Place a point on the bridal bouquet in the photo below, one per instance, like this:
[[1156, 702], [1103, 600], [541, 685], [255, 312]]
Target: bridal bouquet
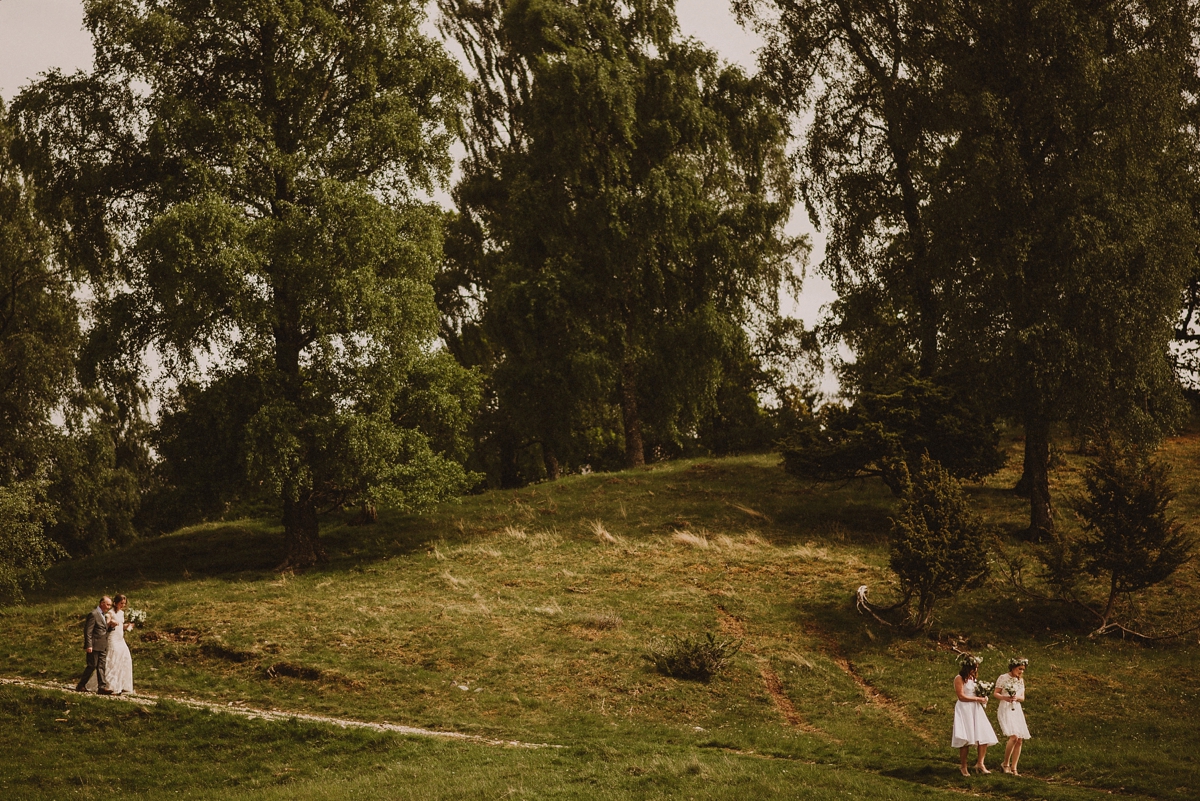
[[136, 616], [1011, 689], [983, 689]]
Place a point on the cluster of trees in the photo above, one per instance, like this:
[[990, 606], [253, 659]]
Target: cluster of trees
[[238, 195], [1009, 189], [1010, 198]]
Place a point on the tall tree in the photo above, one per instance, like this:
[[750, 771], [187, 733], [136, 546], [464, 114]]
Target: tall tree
[[246, 179], [621, 217], [1069, 184], [39, 332], [1052, 162], [862, 75], [39, 328]]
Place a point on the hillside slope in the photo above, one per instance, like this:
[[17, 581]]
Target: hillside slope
[[528, 614]]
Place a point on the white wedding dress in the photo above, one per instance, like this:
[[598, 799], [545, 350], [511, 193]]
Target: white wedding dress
[[118, 672]]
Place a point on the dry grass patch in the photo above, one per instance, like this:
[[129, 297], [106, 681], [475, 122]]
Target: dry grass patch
[[604, 620], [808, 552], [690, 540], [602, 534]]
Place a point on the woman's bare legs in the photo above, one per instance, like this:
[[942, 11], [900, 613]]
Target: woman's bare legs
[[962, 758], [1016, 754], [979, 764], [1008, 750]]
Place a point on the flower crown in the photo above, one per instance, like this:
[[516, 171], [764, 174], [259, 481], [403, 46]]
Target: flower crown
[[1017, 662], [970, 659]]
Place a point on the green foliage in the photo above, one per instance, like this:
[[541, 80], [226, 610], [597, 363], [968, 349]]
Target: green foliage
[[620, 227], [881, 430], [1131, 541], [96, 496], [277, 155], [25, 551], [1009, 194], [200, 438], [688, 656], [39, 330], [937, 543]]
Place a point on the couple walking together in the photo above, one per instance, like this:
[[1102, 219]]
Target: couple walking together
[[971, 725], [108, 659]]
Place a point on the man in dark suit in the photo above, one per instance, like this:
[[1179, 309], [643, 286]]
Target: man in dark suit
[[95, 643]]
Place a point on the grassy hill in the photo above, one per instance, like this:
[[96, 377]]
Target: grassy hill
[[527, 615]]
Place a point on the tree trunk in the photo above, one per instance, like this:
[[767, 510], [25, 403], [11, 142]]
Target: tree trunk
[[301, 535], [510, 469], [635, 452], [1112, 602], [553, 469], [1037, 477]]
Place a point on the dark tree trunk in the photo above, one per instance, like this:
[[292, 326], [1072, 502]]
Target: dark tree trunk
[[301, 534], [635, 452], [1112, 602], [1037, 477], [553, 469], [510, 472]]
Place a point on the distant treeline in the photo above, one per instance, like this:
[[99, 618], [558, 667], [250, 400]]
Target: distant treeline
[[226, 220]]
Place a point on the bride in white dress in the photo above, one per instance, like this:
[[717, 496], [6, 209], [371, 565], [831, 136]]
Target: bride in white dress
[[119, 673], [971, 726]]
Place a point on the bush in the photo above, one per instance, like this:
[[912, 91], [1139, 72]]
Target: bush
[[693, 657], [937, 542]]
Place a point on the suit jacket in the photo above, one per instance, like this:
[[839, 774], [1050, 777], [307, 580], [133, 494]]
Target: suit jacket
[[95, 631]]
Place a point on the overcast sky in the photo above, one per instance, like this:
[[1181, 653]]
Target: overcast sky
[[39, 35]]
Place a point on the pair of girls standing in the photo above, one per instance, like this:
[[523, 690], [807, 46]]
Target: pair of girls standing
[[971, 726]]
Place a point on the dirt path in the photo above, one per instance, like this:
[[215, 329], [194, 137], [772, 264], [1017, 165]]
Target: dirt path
[[734, 627], [277, 715], [872, 694]]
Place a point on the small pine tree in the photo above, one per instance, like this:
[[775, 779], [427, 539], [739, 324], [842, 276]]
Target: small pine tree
[[937, 544], [1130, 542]]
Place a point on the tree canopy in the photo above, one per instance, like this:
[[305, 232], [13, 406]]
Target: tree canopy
[[620, 227], [246, 180], [1009, 197]]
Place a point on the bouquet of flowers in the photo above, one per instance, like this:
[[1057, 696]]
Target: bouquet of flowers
[[983, 689], [1010, 687], [136, 616]]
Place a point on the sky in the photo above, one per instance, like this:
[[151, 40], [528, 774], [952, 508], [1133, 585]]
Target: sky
[[40, 35]]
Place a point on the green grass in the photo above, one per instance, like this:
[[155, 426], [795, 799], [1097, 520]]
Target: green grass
[[514, 597]]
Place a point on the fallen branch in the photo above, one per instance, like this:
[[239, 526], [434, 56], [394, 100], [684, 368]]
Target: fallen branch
[[864, 605]]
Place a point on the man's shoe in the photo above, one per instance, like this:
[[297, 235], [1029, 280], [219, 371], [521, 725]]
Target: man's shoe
[[104, 692]]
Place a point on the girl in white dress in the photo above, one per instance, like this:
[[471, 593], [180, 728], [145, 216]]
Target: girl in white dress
[[1010, 689], [971, 726], [119, 673]]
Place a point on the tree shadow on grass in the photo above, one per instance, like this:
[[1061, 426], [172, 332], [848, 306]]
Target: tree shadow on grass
[[236, 551], [227, 550], [856, 512]]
